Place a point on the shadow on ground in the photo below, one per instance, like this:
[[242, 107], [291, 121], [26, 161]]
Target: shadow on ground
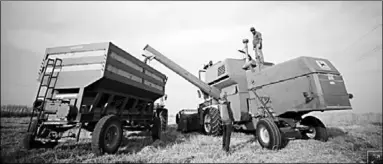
[[135, 142], [333, 132]]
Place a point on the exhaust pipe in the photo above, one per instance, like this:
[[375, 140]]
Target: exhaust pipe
[[350, 96]]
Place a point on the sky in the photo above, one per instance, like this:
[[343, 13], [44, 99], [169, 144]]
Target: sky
[[348, 33]]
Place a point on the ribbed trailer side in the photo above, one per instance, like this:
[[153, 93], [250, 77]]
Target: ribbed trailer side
[[104, 66], [125, 73]]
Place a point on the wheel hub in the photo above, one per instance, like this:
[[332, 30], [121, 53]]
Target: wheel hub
[[311, 132], [207, 123], [264, 135], [110, 137]]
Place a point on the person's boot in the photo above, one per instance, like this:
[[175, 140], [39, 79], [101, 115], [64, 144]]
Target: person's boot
[[228, 137], [224, 137]]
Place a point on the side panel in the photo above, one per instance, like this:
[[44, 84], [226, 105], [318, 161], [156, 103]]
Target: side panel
[[334, 91], [131, 72], [237, 100], [77, 79], [288, 96], [290, 69], [132, 59], [78, 48], [79, 68], [122, 84]]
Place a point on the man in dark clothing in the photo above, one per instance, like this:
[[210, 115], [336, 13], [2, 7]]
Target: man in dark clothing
[[227, 121], [257, 44]]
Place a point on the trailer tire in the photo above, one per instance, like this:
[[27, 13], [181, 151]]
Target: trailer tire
[[108, 126], [318, 128], [28, 141], [268, 134], [156, 128], [212, 123]]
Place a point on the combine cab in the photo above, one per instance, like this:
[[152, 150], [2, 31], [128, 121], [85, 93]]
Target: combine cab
[[97, 87]]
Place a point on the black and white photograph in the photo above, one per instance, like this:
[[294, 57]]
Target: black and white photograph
[[191, 82]]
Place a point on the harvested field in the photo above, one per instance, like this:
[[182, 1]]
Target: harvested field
[[351, 136]]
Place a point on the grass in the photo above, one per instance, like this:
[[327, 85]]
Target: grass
[[351, 136], [15, 111]]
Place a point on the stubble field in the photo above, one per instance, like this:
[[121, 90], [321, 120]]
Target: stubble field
[[351, 136]]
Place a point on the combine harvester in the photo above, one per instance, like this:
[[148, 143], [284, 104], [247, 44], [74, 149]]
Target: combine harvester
[[97, 87], [268, 99]]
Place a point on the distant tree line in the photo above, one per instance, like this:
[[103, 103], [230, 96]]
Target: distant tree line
[[15, 111]]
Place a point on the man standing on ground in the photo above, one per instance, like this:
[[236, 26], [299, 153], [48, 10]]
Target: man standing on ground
[[257, 44], [227, 121]]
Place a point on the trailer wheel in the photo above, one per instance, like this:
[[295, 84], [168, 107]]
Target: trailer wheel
[[212, 122], [317, 130], [107, 135], [268, 134], [156, 128], [29, 138], [29, 141]]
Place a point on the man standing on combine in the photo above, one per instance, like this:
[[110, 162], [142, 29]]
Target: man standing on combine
[[257, 44]]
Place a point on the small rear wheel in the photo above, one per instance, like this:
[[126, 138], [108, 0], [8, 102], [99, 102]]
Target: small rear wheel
[[317, 130], [268, 134], [107, 135]]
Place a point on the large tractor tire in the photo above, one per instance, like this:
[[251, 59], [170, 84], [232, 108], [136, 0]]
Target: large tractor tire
[[164, 119], [212, 123], [268, 134], [107, 135], [29, 138], [178, 117], [317, 130]]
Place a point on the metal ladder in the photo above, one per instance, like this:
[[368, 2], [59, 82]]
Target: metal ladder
[[264, 105], [54, 64]]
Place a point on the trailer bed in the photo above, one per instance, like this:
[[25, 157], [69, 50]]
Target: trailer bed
[[107, 67]]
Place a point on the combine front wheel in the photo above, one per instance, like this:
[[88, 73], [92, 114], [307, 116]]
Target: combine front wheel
[[268, 134], [164, 119], [107, 135]]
